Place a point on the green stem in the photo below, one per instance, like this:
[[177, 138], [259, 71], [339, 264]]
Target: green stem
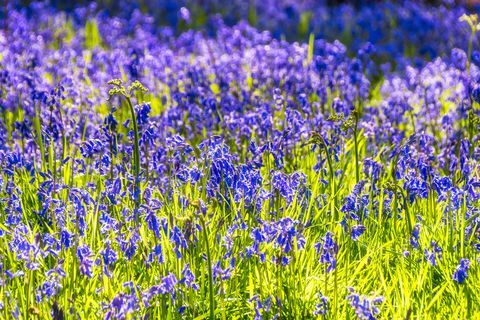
[[407, 213], [335, 290], [469, 54], [147, 174], [112, 163], [357, 169], [136, 152], [332, 178], [210, 275]]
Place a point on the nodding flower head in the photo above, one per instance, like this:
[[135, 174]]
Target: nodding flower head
[[321, 308], [365, 307], [119, 88], [328, 249], [472, 20], [115, 82], [475, 92], [357, 231], [460, 274], [137, 86]]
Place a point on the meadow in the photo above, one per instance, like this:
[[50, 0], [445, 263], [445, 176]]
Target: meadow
[[249, 160]]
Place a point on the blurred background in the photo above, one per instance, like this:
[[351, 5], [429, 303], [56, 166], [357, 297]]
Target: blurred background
[[256, 12], [409, 28], [166, 11]]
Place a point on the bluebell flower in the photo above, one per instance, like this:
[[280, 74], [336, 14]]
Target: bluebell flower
[[365, 308], [321, 308], [51, 245], [188, 278], [442, 184], [476, 57], [459, 58], [286, 233], [357, 231], [122, 305], [434, 254], [221, 274], [152, 221], [178, 240], [15, 274], [110, 122], [143, 112], [15, 312], [372, 169], [84, 255], [288, 185], [184, 14], [148, 136], [262, 308], [416, 187], [181, 310], [48, 289], [129, 247], [415, 236], [156, 255], [475, 93], [107, 223], [355, 204], [167, 286], [328, 249], [114, 192], [89, 148], [164, 224], [57, 271], [109, 256], [460, 274]]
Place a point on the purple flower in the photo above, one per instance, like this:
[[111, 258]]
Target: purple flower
[[357, 231], [262, 308], [122, 305], [167, 286], [475, 93], [321, 308], [288, 185], [114, 192], [460, 273], [129, 247], [184, 14], [415, 236], [178, 240], [84, 254], [434, 254], [109, 257], [143, 112], [188, 278], [221, 274], [48, 289], [328, 249], [156, 255], [152, 222], [365, 308], [459, 58], [286, 232]]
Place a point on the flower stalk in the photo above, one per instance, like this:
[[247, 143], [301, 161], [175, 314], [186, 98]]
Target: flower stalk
[[127, 93]]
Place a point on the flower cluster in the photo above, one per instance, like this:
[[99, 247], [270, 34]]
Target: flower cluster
[[236, 172]]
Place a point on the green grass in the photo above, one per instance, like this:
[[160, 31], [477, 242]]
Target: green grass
[[374, 265]]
